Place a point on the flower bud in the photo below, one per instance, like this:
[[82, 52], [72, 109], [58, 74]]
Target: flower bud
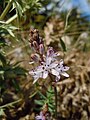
[[50, 51], [35, 57], [35, 45], [40, 40], [41, 48], [35, 36]]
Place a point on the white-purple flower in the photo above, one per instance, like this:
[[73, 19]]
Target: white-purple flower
[[40, 117], [50, 65], [62, 70]]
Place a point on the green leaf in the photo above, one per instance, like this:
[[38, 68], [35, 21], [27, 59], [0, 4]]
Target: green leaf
[[16, 85], [3, 59], [63, 44], [1, 72], [9, 74], [39, 102], [85, 47], [48, 98], [51, 106], [42, 96], [17, 63], [2, 112], [19, 9], [10, 32], [2, 41], [19, 71]]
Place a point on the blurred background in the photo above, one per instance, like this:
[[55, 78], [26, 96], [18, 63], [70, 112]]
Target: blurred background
[[64, 25]]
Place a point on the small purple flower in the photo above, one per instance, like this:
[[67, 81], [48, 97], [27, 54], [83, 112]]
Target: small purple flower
[[62, 70], [50, 65], [40, 117]]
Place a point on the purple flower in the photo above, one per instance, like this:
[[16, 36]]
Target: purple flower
[[40, 117], [50, 65], [62, 70]]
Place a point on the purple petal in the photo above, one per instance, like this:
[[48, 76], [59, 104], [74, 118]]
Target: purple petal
[[45, 74], [65, 68], [48, 60], [54, 72], [53, 65], [50, 52], [57, 79], [38, 117], [61, 63], [31, 72], [64, 74]]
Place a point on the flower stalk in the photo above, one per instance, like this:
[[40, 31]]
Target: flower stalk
[[48, 65], [55, 92]]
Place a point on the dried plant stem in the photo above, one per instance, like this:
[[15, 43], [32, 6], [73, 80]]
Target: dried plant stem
[[68, 81], [55, 91], [10, 104]]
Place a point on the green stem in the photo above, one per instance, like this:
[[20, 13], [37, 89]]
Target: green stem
[[6, 10], [10, 104], [55, 91]]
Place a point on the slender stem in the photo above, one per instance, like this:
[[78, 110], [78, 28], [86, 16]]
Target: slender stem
[[10, 104], [6, 10], [55, 91], [67, 17]]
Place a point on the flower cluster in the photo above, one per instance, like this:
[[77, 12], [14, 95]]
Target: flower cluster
[[36, 42], [50, 65]]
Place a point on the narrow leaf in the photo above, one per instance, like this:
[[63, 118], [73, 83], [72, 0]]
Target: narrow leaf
[[63, 45]]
